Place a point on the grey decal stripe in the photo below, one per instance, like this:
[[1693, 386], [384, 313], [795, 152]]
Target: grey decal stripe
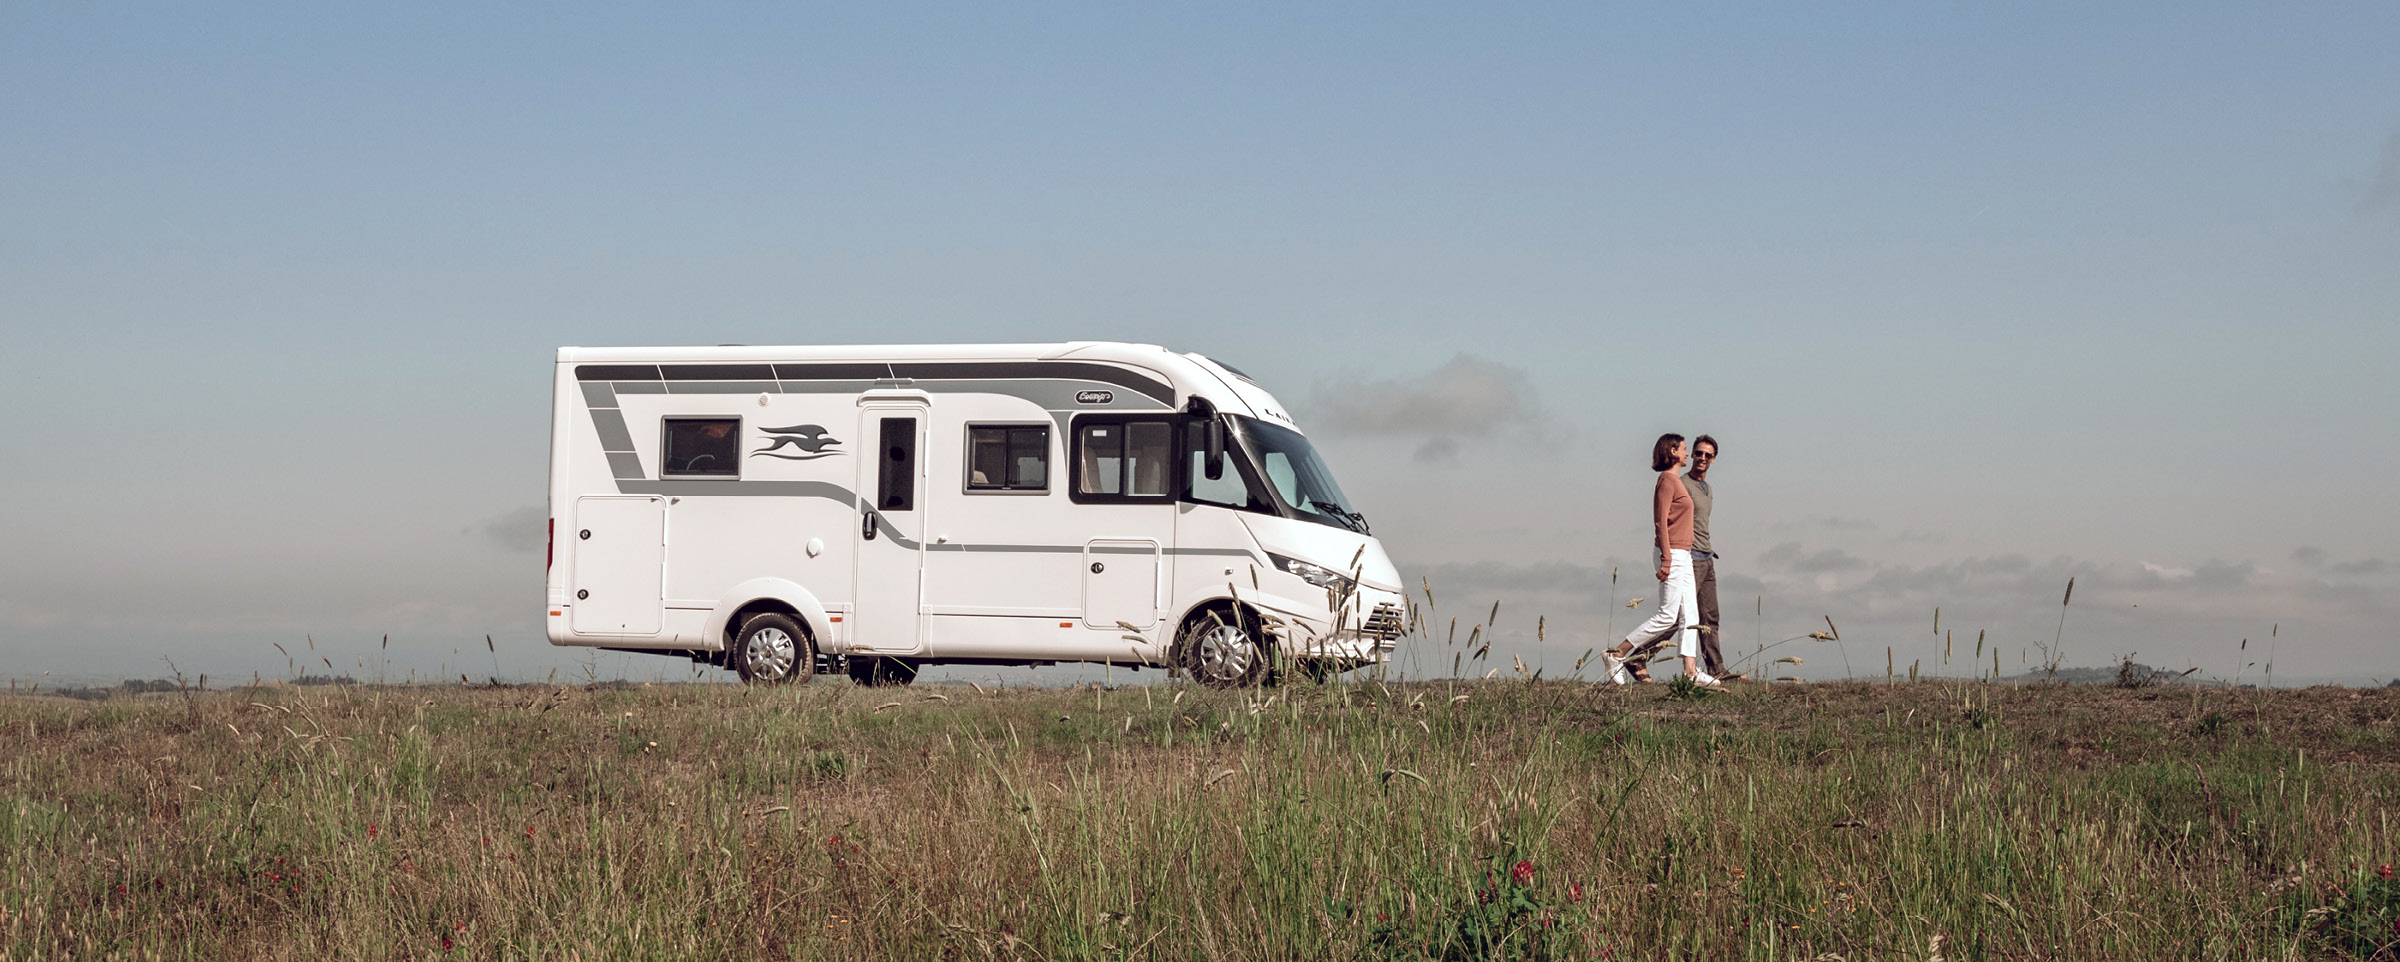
[[599, 394], [717, 372], [640, 387], [884, 525], [724, 387], [626, 465], [770, 489], [779, 489], [614, 438], [616, 372], [826, 387], [1123, 549], [1123, 377], [1009, 548]]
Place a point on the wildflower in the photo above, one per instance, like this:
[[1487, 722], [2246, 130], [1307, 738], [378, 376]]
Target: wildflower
[[1522, 873], [373, 828], [446, 943], [2384, 871], [529, 831], [1575, 892]]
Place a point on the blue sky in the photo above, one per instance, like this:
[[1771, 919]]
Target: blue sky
[[1978, 300]]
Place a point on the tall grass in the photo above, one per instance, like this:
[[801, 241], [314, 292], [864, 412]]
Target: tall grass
[[1507, 819]]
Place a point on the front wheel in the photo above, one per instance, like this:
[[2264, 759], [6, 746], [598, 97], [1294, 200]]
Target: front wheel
[[1222, 652], [773, 649]]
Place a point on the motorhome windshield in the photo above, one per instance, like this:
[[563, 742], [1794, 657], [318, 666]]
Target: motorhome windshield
[[1299, 477]]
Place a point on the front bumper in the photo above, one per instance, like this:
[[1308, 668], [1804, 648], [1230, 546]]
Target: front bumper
[[1369, 630]]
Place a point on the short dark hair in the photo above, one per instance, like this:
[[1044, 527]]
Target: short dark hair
[[1705, 439], [1662, 454]]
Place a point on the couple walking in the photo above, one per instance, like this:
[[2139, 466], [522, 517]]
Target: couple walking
[[1687, 571]]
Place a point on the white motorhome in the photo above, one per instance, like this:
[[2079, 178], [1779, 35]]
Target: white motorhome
[[875, 510]]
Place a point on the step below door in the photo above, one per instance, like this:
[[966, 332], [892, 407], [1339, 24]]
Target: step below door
[[620, 557]]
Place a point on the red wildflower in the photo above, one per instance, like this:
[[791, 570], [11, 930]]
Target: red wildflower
[[2384, 871], [1522, 873], [372, 828], [446, 943], [1575, 892], [529, 830]]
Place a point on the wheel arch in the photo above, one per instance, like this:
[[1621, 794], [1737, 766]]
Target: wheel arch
[[762, 595], [1243, 609]]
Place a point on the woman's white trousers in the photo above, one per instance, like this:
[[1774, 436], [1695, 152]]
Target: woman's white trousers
[[1678, 611]]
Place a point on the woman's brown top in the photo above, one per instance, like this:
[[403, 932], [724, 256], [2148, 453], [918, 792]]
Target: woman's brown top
[[1671, 510]]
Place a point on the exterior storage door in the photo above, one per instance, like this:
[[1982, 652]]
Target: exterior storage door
[[1120, 584], [620, 557]]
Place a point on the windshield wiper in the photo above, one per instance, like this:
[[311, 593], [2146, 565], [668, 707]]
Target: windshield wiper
[[1352, 521]]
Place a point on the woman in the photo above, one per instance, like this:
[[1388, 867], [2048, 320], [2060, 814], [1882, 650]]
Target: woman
[[1678, 612]]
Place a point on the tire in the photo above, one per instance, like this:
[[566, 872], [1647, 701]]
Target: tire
[[1222, 649], [772, 649], [881, 672]]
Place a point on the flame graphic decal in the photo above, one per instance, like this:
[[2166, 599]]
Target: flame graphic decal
[[811, 439]]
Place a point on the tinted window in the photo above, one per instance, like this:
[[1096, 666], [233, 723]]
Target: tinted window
[[1008, 457], [896, 482], [1125, 459], [702, 447], [1148, 456], [1102, 456]]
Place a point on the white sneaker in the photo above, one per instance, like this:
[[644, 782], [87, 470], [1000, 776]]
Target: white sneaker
[[1706, 680], [1616, 668]]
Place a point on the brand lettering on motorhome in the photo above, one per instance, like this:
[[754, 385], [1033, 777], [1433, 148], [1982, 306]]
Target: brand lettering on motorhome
[[1094, 397], [811, 439]]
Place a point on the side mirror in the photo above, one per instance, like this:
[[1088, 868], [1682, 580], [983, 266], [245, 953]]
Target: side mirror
[[1215, 464]]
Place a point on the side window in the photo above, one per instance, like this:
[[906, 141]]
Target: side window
[[896, 481], [1008, 457], [701, 447], [1229, 490], [1148, 457], [1124, 460], [1101, 454]]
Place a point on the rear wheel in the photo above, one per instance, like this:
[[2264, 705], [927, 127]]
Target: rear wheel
[[1222, 649], [881, 672], [773, 649]]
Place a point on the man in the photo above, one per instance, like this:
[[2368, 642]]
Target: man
[[1704, 558]]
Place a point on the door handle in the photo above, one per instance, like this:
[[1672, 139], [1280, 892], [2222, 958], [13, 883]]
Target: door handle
[[866, 525]]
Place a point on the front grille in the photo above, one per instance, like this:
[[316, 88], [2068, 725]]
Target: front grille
[[1384, 624]]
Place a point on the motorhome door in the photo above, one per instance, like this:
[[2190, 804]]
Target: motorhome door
[[891, 527]]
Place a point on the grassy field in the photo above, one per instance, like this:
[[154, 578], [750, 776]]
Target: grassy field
[[1471, 820]]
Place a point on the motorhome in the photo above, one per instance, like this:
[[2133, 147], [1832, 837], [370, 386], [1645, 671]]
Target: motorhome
[[784, 511]]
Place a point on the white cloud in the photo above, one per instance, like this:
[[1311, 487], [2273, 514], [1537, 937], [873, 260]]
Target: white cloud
[[2383, 191], [1465, 397], [519, 529]]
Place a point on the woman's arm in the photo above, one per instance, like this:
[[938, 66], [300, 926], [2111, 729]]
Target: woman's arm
[[1660, 501]]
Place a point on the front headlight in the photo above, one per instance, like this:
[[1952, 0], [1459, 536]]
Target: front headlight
[[1318, 575]]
